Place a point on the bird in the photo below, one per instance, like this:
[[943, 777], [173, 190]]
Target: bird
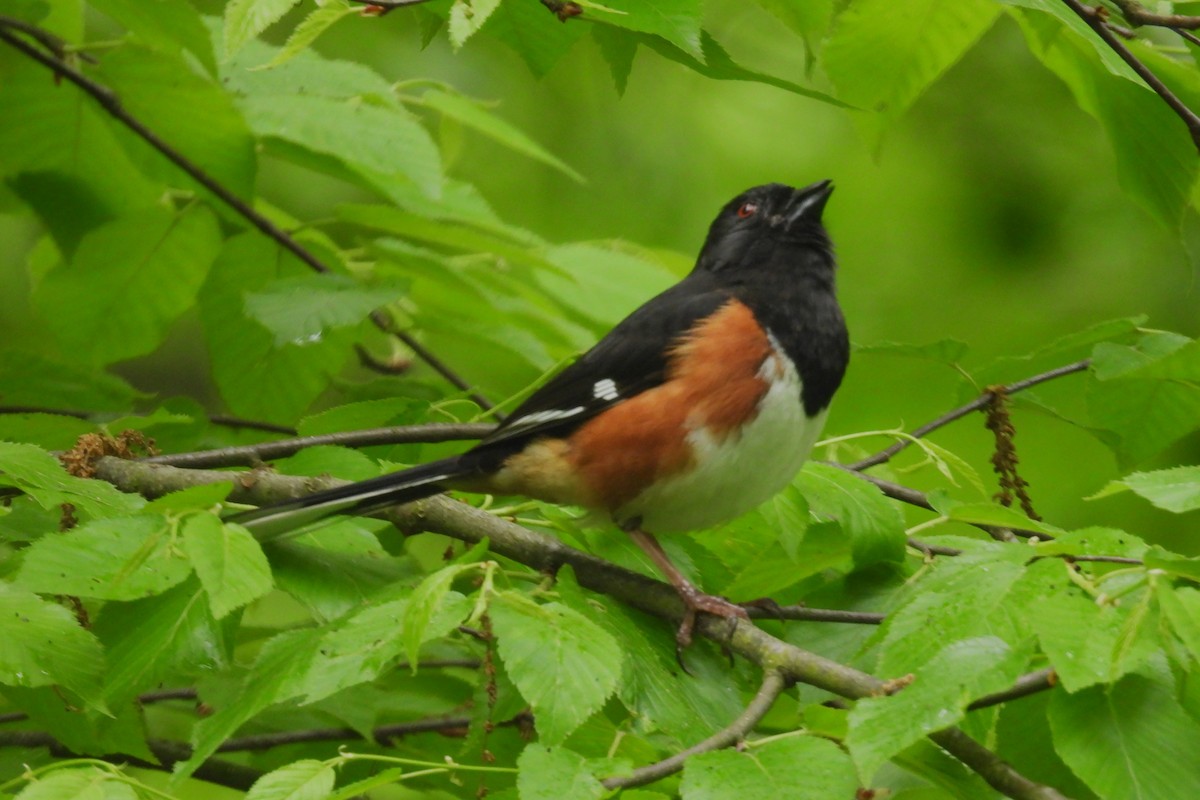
[[700, 405]]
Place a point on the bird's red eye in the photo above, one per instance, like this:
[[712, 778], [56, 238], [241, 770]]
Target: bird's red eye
[[747, 210]]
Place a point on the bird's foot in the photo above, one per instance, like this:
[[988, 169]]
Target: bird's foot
[[695, 601]]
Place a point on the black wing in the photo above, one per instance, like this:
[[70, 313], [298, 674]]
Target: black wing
[[629, 360]]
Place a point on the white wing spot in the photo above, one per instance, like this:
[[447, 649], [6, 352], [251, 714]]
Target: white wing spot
[[605, 390]]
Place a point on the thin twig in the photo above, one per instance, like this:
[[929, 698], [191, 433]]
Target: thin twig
[[381, 735], [1095, 18], [255, 454], [1025, 685], [806, 614], [43, 37], [980, 402], [111, 103], [772, 686], [1137, 16]]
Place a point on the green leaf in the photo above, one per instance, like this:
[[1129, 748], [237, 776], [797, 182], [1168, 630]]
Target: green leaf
[[1181, 609], [257, 378], [41, 476], [80, 783], [30, 379], [563, 663], [537, 37], [1159, 559], [875, 525], [171, 636], [42, 644], [319, 20], [230, 564], [165, 25], [1132, 740], [467, 17], [880, 727], [109, 559], [990, 514], [378, 142], [555, 773], [306, 779], [246, 19], [334, 569], [882, 55], [129, 280], [676, 21], [426, 601], [618, 49], [473, 115], [797, 768], [299, 310]]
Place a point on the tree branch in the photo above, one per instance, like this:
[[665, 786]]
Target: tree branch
[[772, 686], [1137, 15], [255, 454], [440, 514], [979, 403], [1095, 18], [1024, 686], [111, 103]]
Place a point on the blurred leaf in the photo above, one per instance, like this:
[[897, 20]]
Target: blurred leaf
[[473, 115], [426, 601], [944, 351], [42, 644], [939, 768], [1176, 489], [35, 380], [376, 140], [1131, 740], [618, 49], [41, 476], [808, 18], [601, 284], [229, 563], [363, 415], [467, 17], [880, 727], [171, 636], [194, 115], [164, 24], [299, 309], [78, 783], [334, 569], [194, 498], [308, 73], [797, 768], [536, 35], [123, 558], [305, 779], [555, 773], [49, 431], [882, 55], [246, 19], [1159, 559], [563, 663], [1181, 609], [319, 20], [875, 525], [157, 259]]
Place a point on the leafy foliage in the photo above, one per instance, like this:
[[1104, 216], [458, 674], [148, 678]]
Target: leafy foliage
[[540, 687]]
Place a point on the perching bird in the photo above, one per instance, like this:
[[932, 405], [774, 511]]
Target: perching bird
[[699, 406]]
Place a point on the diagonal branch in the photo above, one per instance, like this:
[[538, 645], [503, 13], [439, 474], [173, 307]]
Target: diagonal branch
[[1096, 20], [111, 103], [772, 686], [1137, 16], [460, 521]]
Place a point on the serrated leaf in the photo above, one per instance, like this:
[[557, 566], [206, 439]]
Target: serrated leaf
[[538, 37], [563, 663], [108, 559], [306, 779], [85, 783], [880, 727], [676, 21], [299, 310], [1176, 489], [882, 55], [985, 513], [425, 602], [467, 17], [128, 281], [246, 19], [555, 773], [41, 476], [797, 768], [1132, 740], [42, 644], [474, 116], [319, 20], [230, 564], [875, 525]]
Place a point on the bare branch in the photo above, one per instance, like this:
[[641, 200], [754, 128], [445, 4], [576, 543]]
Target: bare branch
[[1025, 685], [772, 686], [1137, 16]]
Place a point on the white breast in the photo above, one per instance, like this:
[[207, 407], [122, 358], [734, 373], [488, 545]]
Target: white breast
[[736, 474]]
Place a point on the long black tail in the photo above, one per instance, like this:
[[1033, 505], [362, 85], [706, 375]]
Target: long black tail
[[270, 522]]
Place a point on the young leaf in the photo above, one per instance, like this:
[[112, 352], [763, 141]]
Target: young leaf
[[44, 645], [246, 19], [299, 310], [108, 559], [563, 663], [230, 564], [1129, 740], [41, 476], [467, 17], [556, 773], [881, 727], [1176, 489], [306, 779], [797, 768], [426, 601], [319, 20]]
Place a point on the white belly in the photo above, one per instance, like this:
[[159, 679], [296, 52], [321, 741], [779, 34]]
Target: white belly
[[738, 473]]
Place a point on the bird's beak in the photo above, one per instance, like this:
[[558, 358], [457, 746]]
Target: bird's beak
[[808, 203]]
